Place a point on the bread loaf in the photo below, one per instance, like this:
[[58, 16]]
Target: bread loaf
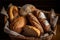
[[13, 12], [43, 20], [34, 21], [31, 31], [26, 9], [18, 24]]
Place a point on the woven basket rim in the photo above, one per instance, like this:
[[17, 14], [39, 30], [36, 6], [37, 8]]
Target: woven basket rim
[[19, 36], [16, 35]]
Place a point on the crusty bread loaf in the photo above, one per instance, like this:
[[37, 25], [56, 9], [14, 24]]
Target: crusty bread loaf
[[34, 21], [26, 9], [31, 31], [43, 20], [32, 17], [13, 12], [18, 24]]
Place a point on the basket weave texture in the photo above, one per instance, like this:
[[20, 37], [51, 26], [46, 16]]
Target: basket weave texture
[[15, 36]]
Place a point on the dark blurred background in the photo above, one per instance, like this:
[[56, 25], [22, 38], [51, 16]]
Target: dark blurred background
[[41, 4]]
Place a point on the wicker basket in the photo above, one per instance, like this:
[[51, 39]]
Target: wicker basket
[[15, 36]]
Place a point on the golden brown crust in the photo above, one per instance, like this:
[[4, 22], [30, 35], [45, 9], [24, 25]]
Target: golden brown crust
[[37, 26], [18, 24], [42, 19], [34, 21], [26, 9], [13, 12], [31, 31], [32, 17]]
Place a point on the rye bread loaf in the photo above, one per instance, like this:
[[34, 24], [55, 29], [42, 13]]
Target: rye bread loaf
[[31, 31]]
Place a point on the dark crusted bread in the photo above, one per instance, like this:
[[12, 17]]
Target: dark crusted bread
[[31, 31]]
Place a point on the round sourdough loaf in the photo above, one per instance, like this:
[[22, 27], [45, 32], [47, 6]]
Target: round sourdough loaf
[[31, 31], [18, 24]]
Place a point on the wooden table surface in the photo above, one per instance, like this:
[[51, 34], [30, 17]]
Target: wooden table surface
[[57, 37]]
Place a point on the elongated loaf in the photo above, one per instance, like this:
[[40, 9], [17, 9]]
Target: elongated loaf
[[13, 12], [34, 21], [43, 20]]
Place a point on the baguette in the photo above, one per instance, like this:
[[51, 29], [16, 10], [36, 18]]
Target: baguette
[[43, 20], [34, 22], [12, 12]]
